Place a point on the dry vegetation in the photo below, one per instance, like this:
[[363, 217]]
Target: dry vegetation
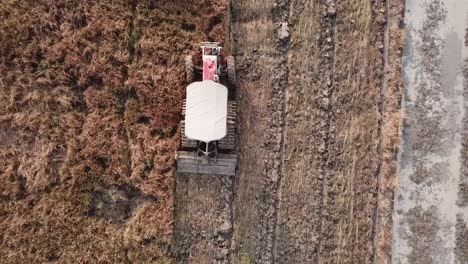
[[90, 93], [352, 171], [391, 131]]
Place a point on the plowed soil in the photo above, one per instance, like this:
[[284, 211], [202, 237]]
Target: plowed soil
[[321, 110], [90, 104]]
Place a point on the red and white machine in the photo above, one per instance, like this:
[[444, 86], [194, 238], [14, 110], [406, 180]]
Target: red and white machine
[[210, 57], [209, 127]]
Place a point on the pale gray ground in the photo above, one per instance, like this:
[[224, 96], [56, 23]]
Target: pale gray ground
[[425, 211]]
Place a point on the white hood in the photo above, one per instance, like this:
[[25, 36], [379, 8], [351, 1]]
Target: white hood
[[206, 111]]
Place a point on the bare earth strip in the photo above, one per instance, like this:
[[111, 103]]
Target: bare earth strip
[[252, 31], [430, 171], [203, 218]]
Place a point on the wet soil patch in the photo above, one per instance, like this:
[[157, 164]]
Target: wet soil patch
[[461, 249], [423, 226], [117, 203]]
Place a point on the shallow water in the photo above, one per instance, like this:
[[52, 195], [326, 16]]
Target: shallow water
[[431, 134]]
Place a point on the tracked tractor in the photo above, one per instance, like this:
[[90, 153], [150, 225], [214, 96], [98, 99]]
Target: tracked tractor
[[208, 128]]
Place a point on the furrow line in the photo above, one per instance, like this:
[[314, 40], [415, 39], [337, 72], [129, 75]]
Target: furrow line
[[330, 22], [381, 130], [284, 45], [274, 164]]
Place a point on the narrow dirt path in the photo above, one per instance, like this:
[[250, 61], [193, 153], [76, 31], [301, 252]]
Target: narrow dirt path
[[430, 165]]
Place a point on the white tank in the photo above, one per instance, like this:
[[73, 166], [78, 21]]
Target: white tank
[[206, 111]]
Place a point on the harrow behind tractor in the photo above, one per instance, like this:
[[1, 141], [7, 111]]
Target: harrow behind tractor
[[208, 134]]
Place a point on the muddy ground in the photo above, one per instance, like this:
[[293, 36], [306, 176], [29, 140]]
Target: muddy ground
[[431, 210], [90, 101]]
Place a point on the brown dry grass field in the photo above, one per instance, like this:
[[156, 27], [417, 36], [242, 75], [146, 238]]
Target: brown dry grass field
[[90, 99], [90, 104]]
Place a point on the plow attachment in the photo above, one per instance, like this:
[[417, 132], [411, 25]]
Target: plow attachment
[[224, 164]]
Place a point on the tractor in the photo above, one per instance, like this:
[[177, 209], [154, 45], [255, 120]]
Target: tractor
[[208, 127]]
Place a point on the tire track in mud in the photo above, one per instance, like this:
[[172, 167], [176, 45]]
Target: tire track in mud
[[275, 132], [283, 46]]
